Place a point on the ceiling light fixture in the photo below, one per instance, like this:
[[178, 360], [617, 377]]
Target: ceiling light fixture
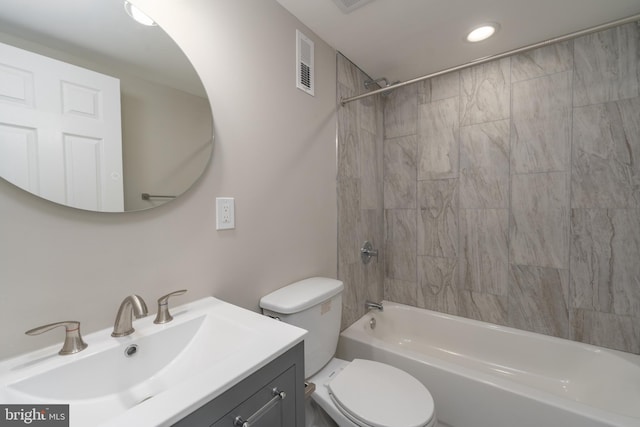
[[482, 32], [138, 15]]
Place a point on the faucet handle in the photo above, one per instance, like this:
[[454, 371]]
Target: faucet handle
[[73, 342], [163, 315]]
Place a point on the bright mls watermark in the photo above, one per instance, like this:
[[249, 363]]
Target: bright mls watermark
[[34, 415]]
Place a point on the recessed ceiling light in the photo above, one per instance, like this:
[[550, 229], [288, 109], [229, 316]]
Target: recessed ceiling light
[[138, 15], [482, 32]]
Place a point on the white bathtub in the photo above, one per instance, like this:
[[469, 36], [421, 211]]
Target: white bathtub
[[484, 375]]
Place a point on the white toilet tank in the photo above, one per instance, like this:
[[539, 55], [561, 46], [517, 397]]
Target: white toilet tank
[[314, 304]]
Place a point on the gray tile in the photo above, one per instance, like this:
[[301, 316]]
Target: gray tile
[[607, 65], [605, 249], [484, 165], [438, 218], [445, 86], [540, 62], [607, 330], [354, 292], [484, 95], [401, 291], [371, 153], [484, 307], [348, 142], [367, 114], [437, 287], [539, 225], [400, 244], [349, 220], [348, 77], [400, 172], [538, 300], [606, 144], [424, 92], [438, 142], [541, 124], [401, 112], [484, 254]]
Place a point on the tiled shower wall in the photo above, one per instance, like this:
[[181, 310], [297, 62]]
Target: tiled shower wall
[[360, 204], [512, 191]]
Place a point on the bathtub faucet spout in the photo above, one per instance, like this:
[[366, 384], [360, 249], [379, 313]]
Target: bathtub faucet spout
[[368, 305]]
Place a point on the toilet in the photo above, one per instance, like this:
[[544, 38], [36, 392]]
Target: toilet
[[361, 393]]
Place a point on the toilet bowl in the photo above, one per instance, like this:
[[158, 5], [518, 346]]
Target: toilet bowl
[[360, 393], [365, 393]]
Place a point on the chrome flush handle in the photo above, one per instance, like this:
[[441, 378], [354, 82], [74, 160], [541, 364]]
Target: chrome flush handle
[[163, 315], [73, 342]]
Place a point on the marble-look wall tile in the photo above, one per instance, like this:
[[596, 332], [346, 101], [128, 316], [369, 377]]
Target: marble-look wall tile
[[437, 287], [484, 165], [438, 140], [485, 92], [539, 226], [541, 124], [607, 65], [400, 244], [424, 92], [368, 115], [371, 153], [438, 218], [401, 112], [348, 77], [606, 146], [605, 249], [359, 191], [349, 220], [538, 300], [484, 254], [354, 292], [445, 86], [484, 307], [607, 330], [400, 172], [401, 291], [349, 146], [540, 62]]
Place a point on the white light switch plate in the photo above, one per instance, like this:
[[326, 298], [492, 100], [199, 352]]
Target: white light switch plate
[[225, 213]]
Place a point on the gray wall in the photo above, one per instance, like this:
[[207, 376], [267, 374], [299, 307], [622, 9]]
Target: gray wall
[[274, 151], [512, 191]]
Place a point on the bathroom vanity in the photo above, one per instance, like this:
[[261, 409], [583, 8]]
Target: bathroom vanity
[[212, 363]]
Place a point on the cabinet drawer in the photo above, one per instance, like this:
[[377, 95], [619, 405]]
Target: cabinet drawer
[[286, 374]]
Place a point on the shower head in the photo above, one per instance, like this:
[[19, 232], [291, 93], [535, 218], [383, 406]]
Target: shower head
[[371, 82]]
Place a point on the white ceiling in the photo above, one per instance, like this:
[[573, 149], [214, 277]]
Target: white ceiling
[[406, 39]]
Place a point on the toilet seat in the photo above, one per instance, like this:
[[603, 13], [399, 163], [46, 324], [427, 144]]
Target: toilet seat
[[378, 395]]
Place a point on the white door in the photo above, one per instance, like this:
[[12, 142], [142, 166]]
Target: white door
[[60, 131]]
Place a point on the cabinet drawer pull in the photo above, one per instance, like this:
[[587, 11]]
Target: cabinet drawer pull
[[277, 397]]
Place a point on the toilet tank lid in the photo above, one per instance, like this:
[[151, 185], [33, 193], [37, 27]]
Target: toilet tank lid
[[301, 295]]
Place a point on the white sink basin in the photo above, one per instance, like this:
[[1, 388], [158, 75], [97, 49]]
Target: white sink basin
[[175, 368]]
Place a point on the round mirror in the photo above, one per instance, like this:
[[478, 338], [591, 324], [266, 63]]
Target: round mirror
[[97, 111]]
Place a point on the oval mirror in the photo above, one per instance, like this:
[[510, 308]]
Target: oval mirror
[[97, 111]]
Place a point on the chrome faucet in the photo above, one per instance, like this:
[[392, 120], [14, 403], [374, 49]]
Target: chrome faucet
[[132, 305], [368, 305], [73, 342]]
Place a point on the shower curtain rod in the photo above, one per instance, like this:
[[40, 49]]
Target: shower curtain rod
[[479, 61]]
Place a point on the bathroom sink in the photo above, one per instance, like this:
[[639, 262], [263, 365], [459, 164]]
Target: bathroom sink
[[156, 375]]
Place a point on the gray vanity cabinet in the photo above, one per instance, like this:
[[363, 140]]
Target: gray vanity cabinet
[[276, 391]]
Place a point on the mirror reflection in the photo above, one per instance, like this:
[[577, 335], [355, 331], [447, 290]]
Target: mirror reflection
[[97, 110]]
